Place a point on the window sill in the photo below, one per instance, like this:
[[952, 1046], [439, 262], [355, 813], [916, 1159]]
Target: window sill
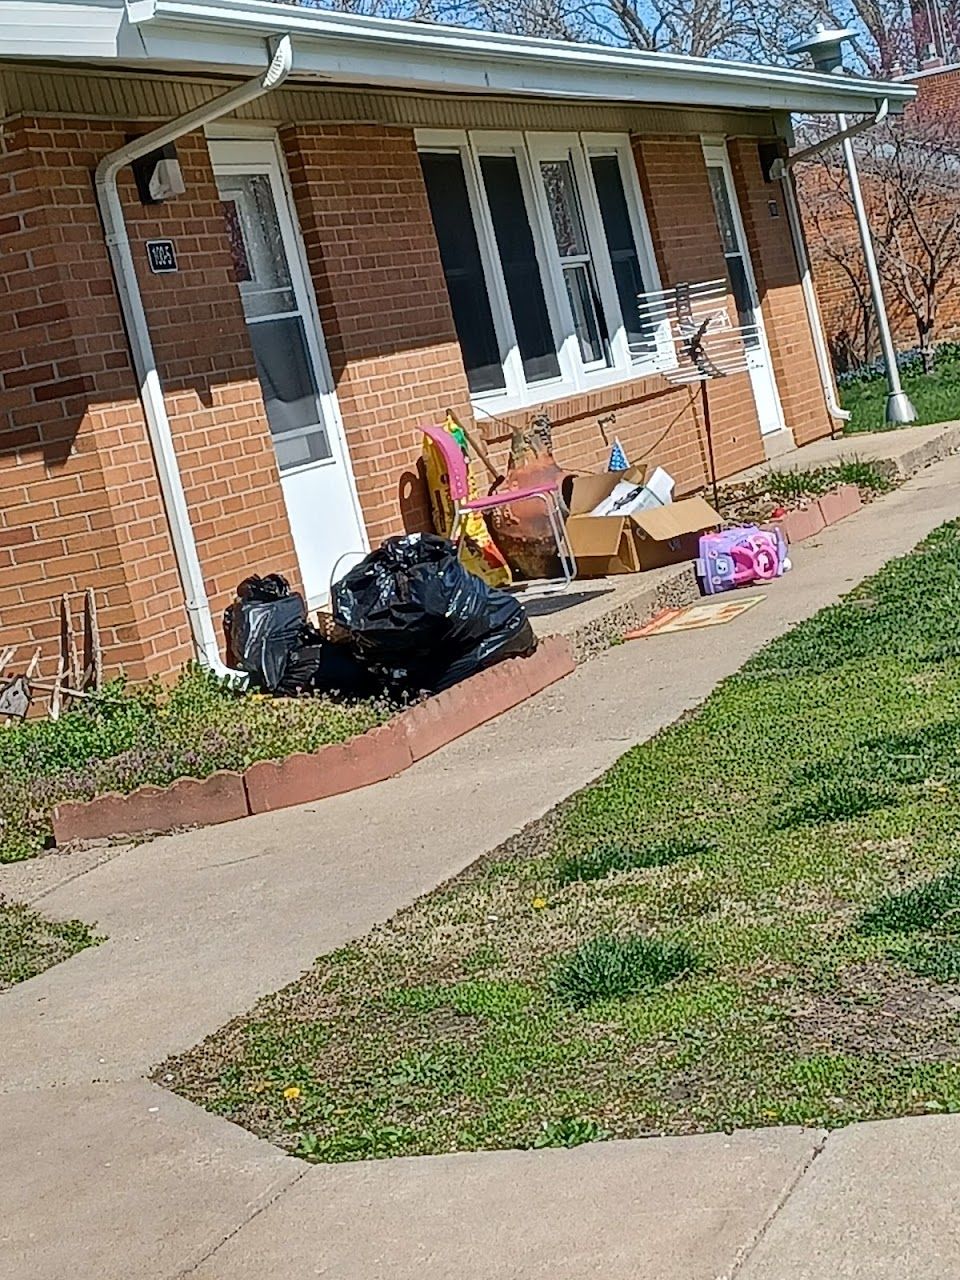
[[551, 392]]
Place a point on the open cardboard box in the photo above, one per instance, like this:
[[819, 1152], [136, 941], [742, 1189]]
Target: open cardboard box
[[628, 544]]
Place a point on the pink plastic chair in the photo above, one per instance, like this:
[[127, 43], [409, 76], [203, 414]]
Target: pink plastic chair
[[458, 481]]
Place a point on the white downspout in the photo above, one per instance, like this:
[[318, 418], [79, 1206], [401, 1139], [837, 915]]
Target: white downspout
[[138, 335], [810, 299]]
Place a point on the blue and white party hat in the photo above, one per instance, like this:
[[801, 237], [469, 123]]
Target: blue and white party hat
[[618, 459]]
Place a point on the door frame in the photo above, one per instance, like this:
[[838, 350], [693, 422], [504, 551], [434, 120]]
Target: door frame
[[716, 155], [261, 144]]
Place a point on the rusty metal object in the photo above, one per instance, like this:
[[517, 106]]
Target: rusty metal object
[[522, 530]]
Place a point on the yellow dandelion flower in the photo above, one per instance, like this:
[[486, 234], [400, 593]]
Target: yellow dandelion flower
[[291, 1092], [539, 903]]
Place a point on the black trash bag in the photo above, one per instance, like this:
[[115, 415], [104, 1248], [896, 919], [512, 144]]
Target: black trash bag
[[272, 587], [266, 625], [331, 669], [421, 621]]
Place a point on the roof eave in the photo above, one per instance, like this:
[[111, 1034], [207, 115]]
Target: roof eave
[[231, 36]]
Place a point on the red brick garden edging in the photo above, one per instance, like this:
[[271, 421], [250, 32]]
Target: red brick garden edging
[[344, 766], [806, 522]]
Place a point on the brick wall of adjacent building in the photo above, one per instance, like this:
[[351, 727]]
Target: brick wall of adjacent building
[[833, 232]]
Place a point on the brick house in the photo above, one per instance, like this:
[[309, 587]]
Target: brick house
[[215, 356]]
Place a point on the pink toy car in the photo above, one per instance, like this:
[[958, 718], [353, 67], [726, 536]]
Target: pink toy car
[[738, 557]]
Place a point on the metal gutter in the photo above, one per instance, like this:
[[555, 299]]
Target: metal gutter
[[781, 165], [141, 347], [354, 49]]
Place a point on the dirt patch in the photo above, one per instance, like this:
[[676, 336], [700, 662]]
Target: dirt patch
[[878, 1010]]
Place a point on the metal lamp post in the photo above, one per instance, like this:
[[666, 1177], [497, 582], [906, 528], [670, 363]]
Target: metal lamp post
[[826, 51]]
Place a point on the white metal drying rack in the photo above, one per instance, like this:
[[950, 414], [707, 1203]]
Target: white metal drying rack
[[693, 340]]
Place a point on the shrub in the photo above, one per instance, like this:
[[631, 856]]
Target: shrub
[[613, 968]]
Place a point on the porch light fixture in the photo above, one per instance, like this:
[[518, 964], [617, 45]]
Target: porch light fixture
[[826, 51]]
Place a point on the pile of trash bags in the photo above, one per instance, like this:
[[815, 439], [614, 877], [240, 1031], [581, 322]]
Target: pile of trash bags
[[415, 621]]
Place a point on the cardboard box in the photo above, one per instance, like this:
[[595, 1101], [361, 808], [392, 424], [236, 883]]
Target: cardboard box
[[628, 544]]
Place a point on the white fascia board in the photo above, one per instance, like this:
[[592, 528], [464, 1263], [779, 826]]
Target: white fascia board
[[351, 49], [79, 29]]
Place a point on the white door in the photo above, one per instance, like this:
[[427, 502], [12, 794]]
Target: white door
[[294, 374], [743, 286]]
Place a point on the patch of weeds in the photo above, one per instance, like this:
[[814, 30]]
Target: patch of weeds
[[569, 1131], [471, 998], [483, 958], [790, 486], [937, 959], [613, 968], [423, 1068], [865, 475], [29, 943], [605, 858], [934, 906], [839, 801], [366, 1144]]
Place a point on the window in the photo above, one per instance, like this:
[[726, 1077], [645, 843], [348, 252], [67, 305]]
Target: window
[[463, 269], [733, 254], [274, 319], [545, 249], [521, 272], [624, 258], [563, 205]]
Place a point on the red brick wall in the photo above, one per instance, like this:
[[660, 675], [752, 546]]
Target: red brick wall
[[81, 501], [781, 296], [383, 304]]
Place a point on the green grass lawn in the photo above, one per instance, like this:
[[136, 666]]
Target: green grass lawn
[[935, 396], [753, 919], [29, 943]]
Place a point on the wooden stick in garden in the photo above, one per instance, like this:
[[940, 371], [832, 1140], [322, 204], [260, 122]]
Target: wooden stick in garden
[[71, 655], [55, 693], [49, 687], [6, 655], [34, 663], [93, 654]]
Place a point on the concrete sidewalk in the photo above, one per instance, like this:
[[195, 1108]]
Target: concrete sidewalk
[[104, 1175], [898, 453]]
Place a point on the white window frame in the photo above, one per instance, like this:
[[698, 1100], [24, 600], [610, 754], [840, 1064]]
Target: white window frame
[[528, 150]]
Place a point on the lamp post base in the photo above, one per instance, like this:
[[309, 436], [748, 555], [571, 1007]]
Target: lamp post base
[[900, 408]]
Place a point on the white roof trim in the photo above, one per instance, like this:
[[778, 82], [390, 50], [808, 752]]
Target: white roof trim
[[230, 36]]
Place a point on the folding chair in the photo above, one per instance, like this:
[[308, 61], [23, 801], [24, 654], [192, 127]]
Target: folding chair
[[458, 482]]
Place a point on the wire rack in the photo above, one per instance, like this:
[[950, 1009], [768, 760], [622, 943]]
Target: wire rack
[[690, 333], [691, 337]]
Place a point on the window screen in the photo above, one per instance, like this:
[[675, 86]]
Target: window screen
[[463, 269]]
